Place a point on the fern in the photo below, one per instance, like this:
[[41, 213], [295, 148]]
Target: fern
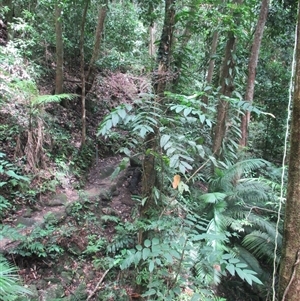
[[10, 287], [261, 245], [45, 99]]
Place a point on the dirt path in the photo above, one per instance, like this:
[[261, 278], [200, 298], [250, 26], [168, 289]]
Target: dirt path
[[100, 188]]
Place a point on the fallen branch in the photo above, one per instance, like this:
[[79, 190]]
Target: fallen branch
[[97, 286]]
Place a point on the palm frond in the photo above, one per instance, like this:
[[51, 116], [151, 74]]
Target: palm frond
[[232, 174], [263, 225], [10, 287], [261, 245], [253, 264], [252, 191]]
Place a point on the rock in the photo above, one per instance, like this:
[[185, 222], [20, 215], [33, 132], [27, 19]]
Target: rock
[[26, 221], [57, 200], [105, 195], [107, 172], [54, 218], [80, 294], [55, 291], [28, 212], [67, 277]]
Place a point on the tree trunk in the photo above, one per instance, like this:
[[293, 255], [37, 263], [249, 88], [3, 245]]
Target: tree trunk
[[152, 30], [160, 80], [227, 86], [82, 65], [90, 76], [252, 67], [185, 37], [289, 278], [59, 51], [211, 64]]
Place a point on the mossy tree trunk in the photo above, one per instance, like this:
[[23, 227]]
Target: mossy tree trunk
[[289, 278]]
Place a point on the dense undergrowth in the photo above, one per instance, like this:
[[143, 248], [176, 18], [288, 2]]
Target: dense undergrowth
[[215, 227]]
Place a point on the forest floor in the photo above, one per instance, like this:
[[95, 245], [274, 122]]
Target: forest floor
[[90, 213]]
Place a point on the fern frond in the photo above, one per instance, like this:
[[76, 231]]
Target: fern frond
[[253, 264], [232, 174], [260, 223], [44, 99], [261, 245]]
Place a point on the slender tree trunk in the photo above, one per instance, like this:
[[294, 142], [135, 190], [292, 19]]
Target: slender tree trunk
[[185, 37], [152, 30], [211, 65], [59, 50], [90, 76], [160, 80], [82, 64], [252, 67], [289, 278], [227, 86]]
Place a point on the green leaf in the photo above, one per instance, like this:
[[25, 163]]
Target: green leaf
[[196, 297], [137, 257], [147, 243], [151, 266], [174, 160], [234, 260], [164, 139], [139, 247], [240, 273], [115, 118], [231, 269], [155, 241], [122, 113], [146, 253], [187, 111], [12, 174], [150, 292], [175, 254], [168, 257], [202, 118]]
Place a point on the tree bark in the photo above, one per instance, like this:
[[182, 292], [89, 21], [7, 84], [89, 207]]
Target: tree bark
[[211, 65], [252, 67], [90, 76], [82, 64], [289, 276], [59, 51], [152, 30], [160, 80], [227, 86]]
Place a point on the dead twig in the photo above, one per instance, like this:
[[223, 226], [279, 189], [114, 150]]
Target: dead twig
[[97, 286]]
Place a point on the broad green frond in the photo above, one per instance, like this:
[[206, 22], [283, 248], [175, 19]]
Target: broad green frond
[[253, 264], [260, 223], [9, 282], [234, 173], [260, 244]]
